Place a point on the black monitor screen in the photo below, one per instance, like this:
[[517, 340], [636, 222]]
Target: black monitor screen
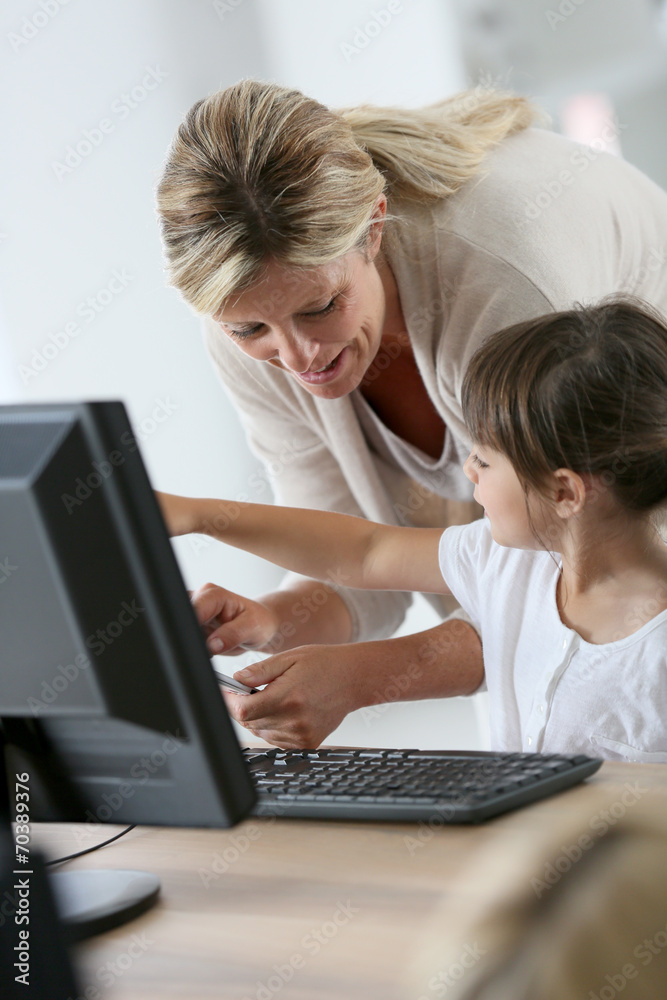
[[107, 694]]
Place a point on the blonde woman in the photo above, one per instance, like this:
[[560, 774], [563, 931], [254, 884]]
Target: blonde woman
[[347, 265]]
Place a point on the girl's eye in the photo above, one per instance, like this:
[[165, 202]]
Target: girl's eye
[[479, 463]]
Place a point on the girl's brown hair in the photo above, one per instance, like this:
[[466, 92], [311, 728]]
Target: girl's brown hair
[[584, 390]]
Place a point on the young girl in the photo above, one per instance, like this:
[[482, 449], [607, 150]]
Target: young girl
[[568, 415]]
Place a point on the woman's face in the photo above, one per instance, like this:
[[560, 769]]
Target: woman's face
[[322, 326]]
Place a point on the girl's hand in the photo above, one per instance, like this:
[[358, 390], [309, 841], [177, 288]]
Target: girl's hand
[[309, 692], [232, 624], [181, 514]]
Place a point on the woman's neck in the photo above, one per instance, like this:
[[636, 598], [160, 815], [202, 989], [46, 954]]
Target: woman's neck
[[393, 385], [394, 329], [614, 578]]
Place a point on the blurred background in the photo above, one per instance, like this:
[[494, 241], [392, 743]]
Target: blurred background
[[92, 92]]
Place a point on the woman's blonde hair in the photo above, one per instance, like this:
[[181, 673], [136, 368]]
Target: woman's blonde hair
[[258, 172]]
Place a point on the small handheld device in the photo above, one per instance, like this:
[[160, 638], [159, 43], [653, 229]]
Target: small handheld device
[[232, 685]]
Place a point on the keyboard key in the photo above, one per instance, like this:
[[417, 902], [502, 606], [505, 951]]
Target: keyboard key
[[425, 755], [556, 765], [312, 797]]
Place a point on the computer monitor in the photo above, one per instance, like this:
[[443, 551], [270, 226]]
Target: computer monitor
[[108, 699]]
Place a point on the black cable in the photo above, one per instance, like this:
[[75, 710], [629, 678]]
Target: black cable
[[78, 854]]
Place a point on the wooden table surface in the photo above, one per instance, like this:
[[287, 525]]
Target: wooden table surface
[[303, 910]]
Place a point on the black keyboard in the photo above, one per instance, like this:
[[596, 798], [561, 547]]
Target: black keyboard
[[442, 786]]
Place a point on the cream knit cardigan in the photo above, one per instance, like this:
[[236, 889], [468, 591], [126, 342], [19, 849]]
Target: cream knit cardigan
[[547, 223]]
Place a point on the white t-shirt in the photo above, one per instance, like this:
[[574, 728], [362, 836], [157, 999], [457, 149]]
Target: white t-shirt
[[550, 691]]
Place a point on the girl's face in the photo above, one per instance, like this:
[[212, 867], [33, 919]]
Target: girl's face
[[499, 491], [323, 326]]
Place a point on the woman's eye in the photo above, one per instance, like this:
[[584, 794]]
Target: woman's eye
[[244, 334], [329, 307], [479, 463]]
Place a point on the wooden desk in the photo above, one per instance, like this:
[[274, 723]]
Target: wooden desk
[[299, 909]]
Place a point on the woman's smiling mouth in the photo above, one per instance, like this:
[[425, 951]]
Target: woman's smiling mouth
[[324, 374]]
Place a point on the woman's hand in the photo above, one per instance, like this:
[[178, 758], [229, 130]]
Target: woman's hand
[[232, 624], [312, 688], [309, 692], [181, 514]]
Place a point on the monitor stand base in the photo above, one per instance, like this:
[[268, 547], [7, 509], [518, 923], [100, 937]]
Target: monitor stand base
[[92, 901]]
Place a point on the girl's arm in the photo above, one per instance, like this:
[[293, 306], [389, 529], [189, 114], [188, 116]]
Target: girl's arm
[[338, 548]]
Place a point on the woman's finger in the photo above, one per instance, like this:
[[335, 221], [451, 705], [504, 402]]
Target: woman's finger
[[212, 602], [241, 635], [232, 624], [264, 671], [256, 709]]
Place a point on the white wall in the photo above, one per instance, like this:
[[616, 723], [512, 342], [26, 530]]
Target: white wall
[[557, 50], [80, 226]]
